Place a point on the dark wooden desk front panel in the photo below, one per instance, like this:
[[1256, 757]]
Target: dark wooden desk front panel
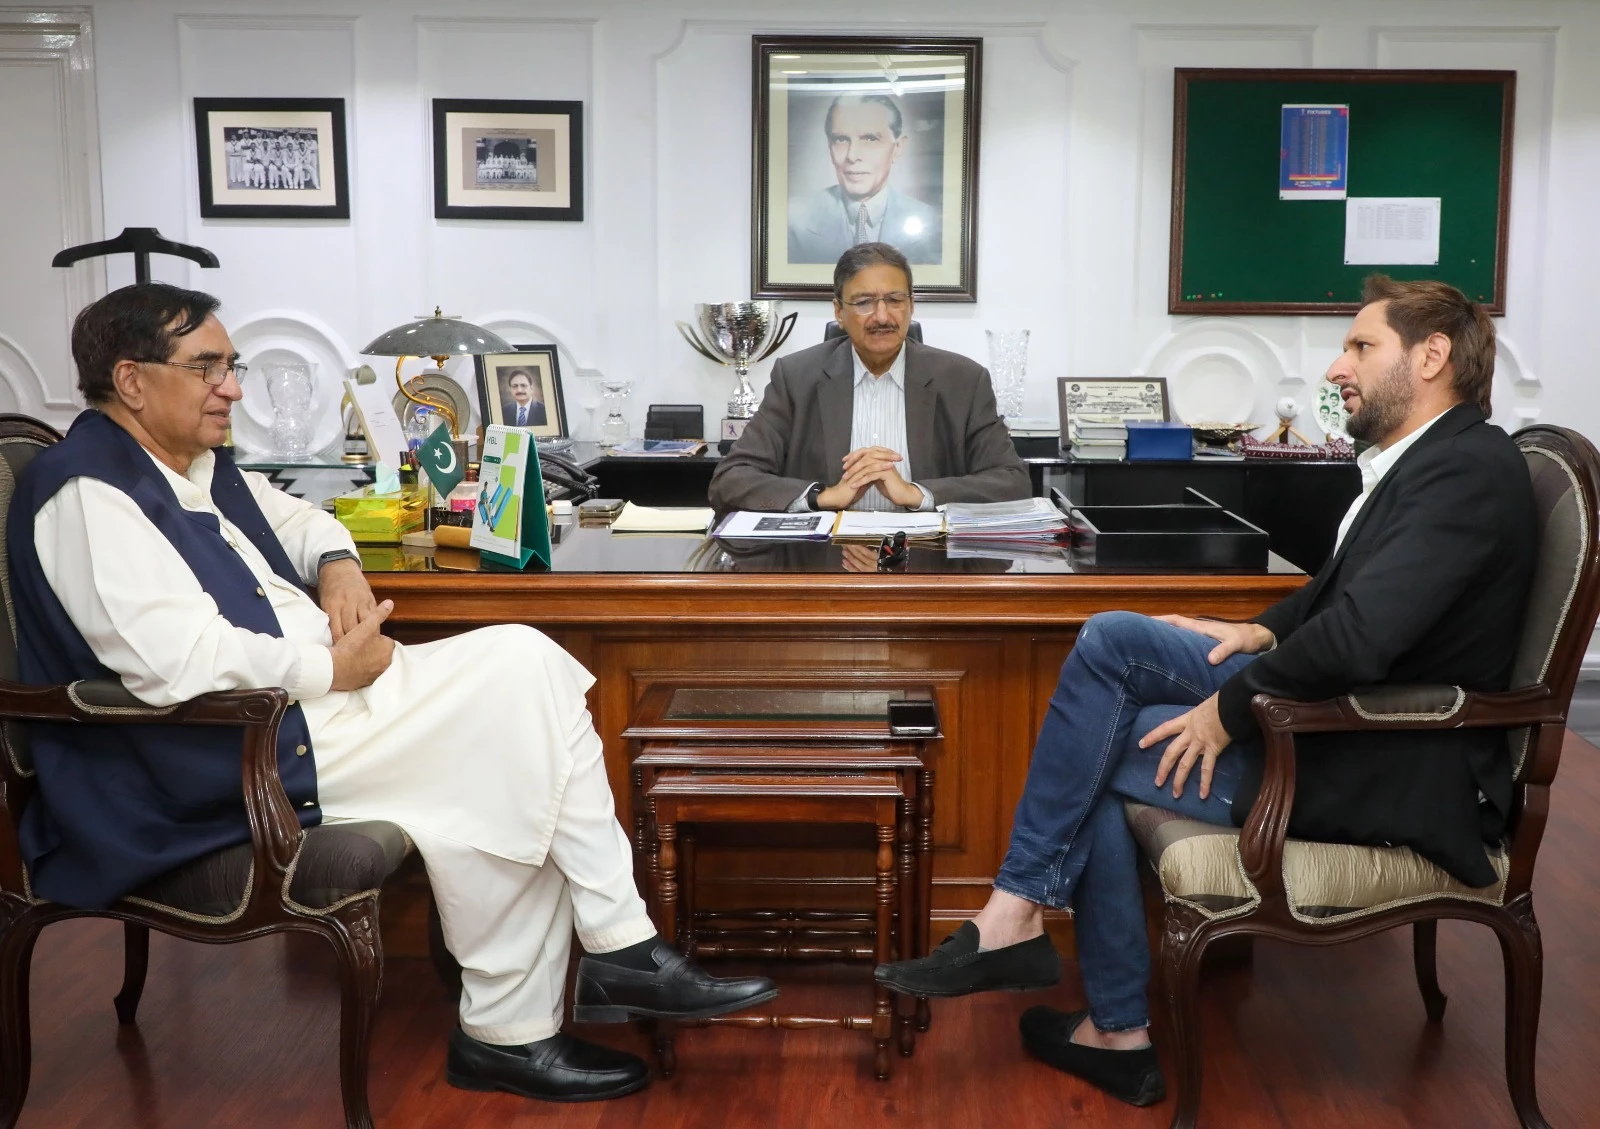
[[992, 645]]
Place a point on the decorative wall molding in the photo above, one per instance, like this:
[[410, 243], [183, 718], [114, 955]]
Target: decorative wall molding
[[1228, 32], [63, 40], [22, 375], [471, 24], [258, 22]]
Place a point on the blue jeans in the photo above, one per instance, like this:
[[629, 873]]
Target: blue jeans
[[1070, 844]]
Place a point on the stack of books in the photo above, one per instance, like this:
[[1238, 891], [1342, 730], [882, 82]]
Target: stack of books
[[1097, 437], [1029, 518]]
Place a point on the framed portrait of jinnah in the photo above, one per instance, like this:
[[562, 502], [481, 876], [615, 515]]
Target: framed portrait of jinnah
[[863, 140]]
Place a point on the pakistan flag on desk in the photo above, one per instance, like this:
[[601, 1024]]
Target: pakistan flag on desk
[[438, 458], [509, 525]]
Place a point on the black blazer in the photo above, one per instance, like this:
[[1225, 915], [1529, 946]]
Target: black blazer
[[1428, 586]]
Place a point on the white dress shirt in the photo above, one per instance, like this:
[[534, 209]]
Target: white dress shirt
[[103, 559], [878, 419], [1374, 464]]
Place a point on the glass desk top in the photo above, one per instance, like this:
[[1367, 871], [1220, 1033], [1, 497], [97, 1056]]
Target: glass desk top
[[595, 549], [766, 704]]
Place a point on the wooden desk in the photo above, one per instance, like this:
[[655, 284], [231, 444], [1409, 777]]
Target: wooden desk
[[991, 643]]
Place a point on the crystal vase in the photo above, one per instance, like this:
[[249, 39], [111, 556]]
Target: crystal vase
[[1008, 369]]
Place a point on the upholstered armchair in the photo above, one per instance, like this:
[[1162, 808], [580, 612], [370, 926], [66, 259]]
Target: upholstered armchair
[[324, 880], [1218, 882]]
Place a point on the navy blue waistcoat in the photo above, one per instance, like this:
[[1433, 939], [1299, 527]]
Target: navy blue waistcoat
[[120, 805]]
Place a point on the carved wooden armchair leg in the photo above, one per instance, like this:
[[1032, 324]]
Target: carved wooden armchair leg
[[1424, 946], [353, 931], [135, 962], [1523, 950], [1183, 943], [19, 929]]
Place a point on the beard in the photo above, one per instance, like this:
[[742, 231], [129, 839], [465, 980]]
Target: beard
[[1384, 406]]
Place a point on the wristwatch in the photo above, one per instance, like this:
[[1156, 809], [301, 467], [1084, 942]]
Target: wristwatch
[[336, 555], [812, 495]]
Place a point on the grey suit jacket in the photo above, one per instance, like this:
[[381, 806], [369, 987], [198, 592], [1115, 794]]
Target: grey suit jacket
[[960, 449], [820, 229]]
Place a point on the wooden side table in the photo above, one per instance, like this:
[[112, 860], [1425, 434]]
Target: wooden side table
[[781, 724], [687, 796]]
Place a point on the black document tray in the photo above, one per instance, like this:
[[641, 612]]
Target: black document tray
[[1198, 536]]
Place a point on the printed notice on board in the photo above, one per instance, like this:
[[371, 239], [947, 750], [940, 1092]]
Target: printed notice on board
[[1314, 152], [1391, 231]]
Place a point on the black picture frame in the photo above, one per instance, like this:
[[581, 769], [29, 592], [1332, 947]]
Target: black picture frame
[[540, 361], [520, 125], [266, 128], [797, 216]]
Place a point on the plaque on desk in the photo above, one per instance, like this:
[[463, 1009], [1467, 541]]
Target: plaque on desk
[[509, 523]]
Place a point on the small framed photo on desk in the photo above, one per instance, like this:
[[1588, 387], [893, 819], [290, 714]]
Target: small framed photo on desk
[[523, 389]]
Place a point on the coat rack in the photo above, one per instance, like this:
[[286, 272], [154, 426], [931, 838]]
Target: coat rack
[[142, 242]]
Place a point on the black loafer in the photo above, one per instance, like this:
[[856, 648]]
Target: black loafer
[[677, 989], [958, 968], [1132, 1076], [562, 1068]]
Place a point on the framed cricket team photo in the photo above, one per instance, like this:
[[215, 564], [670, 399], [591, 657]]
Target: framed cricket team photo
[[860, 140], [272, 158], [523, 389], [507, 160]]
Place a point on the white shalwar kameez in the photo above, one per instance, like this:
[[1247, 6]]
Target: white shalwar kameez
[[504, 792]]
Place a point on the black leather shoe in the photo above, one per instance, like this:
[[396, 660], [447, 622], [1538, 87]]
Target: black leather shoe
[[562, 1068], [1133, 1076], [676, 989], [957, 968]]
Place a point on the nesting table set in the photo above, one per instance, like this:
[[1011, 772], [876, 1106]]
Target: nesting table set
[[776, 754]]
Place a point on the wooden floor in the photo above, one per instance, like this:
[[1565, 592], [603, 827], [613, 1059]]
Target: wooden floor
[[245, 1036]]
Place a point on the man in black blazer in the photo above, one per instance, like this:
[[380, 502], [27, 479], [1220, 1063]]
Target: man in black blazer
[[872, 420], [1426, 584]]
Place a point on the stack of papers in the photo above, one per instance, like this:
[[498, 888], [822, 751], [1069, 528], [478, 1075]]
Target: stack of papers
[[870, 525], [1030, 517], [807, 526], [646, 519], [659, 448]]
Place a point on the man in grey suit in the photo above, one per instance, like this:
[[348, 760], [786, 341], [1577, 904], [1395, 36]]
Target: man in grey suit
[[872, 421], [866, 135]]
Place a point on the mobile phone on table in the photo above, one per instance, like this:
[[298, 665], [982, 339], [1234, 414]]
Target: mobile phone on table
[[601, 507], [914, 717]]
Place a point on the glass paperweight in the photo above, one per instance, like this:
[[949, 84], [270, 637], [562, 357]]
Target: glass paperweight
[[291, 387], [614, 430], [1008, 369]]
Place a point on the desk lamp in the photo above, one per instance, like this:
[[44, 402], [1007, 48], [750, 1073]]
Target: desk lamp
[[441, 338]]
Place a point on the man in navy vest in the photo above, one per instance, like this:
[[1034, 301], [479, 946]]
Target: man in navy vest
[[140, 552]]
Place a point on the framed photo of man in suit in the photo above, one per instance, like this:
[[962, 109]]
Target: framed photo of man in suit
[[523, 389], [863, 140]]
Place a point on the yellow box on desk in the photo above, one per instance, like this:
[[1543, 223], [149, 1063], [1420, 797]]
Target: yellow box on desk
[[381, 518]]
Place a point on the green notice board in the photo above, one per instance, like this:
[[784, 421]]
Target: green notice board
[[1237, 248]]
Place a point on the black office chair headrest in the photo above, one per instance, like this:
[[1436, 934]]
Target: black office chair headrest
[[834, 329]]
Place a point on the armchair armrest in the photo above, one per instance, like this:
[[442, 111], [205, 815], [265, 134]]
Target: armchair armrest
[[274, 829], [1371, 709]]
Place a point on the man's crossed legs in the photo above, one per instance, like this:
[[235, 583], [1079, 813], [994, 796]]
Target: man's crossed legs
[[1127, 675]]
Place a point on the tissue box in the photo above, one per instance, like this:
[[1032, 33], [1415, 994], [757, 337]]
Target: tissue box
[[381, 518], [1149, 440]]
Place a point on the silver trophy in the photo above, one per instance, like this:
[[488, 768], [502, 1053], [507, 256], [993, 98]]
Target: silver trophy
[[740, 334]]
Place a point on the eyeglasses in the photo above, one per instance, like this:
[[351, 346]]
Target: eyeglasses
[[212, 372], [866, 304]]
